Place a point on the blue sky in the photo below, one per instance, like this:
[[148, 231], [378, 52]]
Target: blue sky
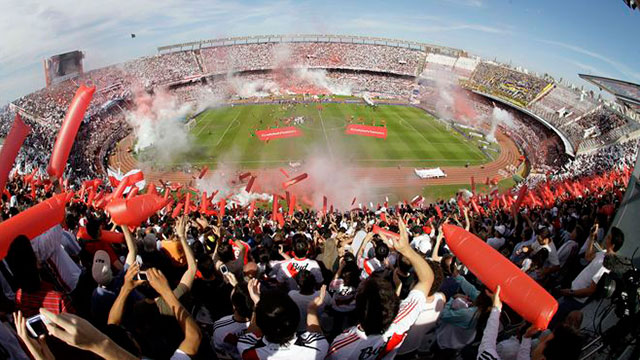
[[561, 37]]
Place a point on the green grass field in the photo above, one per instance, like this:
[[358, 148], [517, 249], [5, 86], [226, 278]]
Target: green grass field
[[414, 137]]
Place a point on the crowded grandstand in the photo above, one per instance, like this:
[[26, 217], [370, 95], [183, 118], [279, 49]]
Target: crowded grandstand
[[128, 269]]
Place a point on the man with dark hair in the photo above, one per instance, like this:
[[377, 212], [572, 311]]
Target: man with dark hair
[[383, 320], [585, 284], [288, 269], [228, 329], [276, 318]]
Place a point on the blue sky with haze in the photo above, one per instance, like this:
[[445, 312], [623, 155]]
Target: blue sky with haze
[[561, 37]]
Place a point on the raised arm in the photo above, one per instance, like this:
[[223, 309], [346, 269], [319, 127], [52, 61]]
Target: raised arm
[[192, 335], [79, 333], [590, 253], [313, 322], [131, 246], [422, 269], [130, 283], [190, 274]]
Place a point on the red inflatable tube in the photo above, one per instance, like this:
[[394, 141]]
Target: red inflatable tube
[[176, 210], [203, 172], [133, 212], [517, 289], [295, 180], [292, 204], [250, 184], [33, 221], [69, 129], [390, 234], [223, 207], [133, 192], [274, 208], [10, 147], [187, 204], [113, 237], [252, 208]]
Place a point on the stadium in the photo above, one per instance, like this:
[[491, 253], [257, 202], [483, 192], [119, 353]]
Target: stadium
[[328, 136]]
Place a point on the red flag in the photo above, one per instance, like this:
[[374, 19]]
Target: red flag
[[294, 181], [284, 172], [521, 194], [10, 147], [473, 185], [439, 212]]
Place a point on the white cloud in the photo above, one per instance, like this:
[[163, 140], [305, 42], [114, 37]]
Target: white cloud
[[469, 3], [621, 68]]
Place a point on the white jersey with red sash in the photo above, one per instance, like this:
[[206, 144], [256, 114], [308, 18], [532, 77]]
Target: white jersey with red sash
[[353, 343], [226, 333], [288, 269]]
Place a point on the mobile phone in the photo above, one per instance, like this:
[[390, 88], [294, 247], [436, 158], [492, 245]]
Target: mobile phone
[[223, 269], [142, 275], [36, 326]]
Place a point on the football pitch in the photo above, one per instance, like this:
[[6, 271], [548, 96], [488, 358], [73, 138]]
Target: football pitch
[[414, 138]]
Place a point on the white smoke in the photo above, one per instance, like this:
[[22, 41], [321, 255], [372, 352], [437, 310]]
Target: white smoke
[[158, 122], [499, 117], [246, 88], [318, 77]]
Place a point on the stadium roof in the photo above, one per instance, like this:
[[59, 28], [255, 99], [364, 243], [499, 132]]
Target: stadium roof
[[619, 88]]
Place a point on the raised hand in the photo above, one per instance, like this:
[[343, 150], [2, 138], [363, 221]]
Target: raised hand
[[158, 281]]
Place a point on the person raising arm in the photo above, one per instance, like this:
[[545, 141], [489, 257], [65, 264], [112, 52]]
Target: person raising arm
[[192, 336]]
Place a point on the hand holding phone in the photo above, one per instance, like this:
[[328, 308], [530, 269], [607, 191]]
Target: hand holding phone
[[36, 326], [142, 275]]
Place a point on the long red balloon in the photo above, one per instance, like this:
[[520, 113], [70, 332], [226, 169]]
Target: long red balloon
[[132, 212], [517, 289], [105, 235], [69, 129], [33, 221], [10, 147]]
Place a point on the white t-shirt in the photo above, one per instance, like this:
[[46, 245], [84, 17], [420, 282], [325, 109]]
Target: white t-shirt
[[552, 259], [421, 243], [353, 343], [310, 346], [288, 269], [496, 242], [48, 247], [357, 241], [343, 298], [226, 333], [593, 272]]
